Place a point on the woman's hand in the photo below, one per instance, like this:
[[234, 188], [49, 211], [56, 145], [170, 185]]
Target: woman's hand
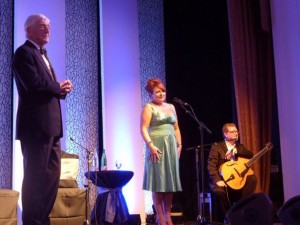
[[179, 148], [155, 154]]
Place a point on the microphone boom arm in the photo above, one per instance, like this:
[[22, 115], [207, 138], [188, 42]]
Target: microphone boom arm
[[192, 114], [89, 154], [86, 149]]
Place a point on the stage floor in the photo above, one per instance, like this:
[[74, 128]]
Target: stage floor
[[193, 223], [180, 220]]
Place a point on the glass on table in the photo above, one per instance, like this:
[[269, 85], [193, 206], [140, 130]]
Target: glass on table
[[118, 164]]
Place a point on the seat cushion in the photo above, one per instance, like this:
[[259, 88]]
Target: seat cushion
[[12, 221], [69, 170], [70, 202], [78, 220], [68, 184], [8, 203]]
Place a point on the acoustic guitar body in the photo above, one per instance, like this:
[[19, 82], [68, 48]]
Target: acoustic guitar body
[[235, 173]]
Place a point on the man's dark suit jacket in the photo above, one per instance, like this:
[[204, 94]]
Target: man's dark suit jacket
[[217, 158], [39, 112]]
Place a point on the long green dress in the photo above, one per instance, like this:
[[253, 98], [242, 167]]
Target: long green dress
[[162, 176]]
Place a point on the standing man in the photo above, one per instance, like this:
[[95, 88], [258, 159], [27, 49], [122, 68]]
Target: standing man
[[221, 152], [39, 121]]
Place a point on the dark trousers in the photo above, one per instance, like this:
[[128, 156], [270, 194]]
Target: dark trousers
[[41, 158], [224, 198]]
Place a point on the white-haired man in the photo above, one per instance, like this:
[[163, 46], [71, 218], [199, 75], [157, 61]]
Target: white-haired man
[[39, 121]]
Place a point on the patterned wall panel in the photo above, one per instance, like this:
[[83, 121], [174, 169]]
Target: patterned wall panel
[[6, 42], [152, 47], [152, 53], [82, 68]]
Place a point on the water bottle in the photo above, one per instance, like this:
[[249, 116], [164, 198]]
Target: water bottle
[[103, 161], [95, 161]]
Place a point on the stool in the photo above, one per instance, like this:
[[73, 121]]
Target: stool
[[8, 207], [207, 205]]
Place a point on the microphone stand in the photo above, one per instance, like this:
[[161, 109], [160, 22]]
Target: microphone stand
[[89, 154], [201, 217]]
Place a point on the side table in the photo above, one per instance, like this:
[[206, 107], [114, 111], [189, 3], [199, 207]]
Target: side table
[[110, 206]]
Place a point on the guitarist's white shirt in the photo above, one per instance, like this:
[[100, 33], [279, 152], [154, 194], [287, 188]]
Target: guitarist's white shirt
[[231, 151]]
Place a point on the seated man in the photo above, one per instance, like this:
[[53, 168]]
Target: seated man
[[227, 150]]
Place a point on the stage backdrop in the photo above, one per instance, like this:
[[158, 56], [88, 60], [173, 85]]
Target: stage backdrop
[[6, 42], [286, 36], [121, 95], [132, 50], [152, 55]]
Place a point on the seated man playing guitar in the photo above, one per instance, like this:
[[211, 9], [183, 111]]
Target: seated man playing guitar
[[223, 156]]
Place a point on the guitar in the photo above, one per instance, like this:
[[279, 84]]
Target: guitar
[[235, 172]]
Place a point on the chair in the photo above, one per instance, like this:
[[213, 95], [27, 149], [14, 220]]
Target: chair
[[8, 207], [70, 204]]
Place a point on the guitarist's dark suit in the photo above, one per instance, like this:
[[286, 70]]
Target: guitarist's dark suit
[[215, 160], [39, 128]]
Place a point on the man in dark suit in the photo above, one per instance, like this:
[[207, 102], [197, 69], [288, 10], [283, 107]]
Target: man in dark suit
[[39, 121], [221, 152]]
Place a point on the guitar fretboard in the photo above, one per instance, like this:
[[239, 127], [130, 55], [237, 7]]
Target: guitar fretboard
[[268, 147]]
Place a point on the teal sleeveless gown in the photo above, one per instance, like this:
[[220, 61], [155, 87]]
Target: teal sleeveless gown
[[162, 176]]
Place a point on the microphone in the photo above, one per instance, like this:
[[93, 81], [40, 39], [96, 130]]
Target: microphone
[[89, 151], [179, 101]]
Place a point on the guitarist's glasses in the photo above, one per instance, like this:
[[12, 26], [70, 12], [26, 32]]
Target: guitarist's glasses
[[233, 132]]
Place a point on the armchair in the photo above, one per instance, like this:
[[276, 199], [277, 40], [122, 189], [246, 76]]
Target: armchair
[[8, 207], [70, 205]]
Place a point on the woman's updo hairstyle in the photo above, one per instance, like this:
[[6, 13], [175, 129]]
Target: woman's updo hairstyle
[[153, 83]]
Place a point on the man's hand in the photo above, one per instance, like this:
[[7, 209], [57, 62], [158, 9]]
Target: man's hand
[[66, 86], [221, 183]]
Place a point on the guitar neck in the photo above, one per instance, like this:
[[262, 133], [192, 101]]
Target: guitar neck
[[257, 156]]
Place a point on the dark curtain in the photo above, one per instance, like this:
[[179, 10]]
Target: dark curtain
[[253, 74]]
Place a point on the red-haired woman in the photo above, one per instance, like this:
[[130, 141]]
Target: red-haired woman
[[160, 131]]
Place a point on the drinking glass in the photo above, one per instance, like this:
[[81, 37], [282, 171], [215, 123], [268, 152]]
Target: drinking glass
[[118, 164]]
